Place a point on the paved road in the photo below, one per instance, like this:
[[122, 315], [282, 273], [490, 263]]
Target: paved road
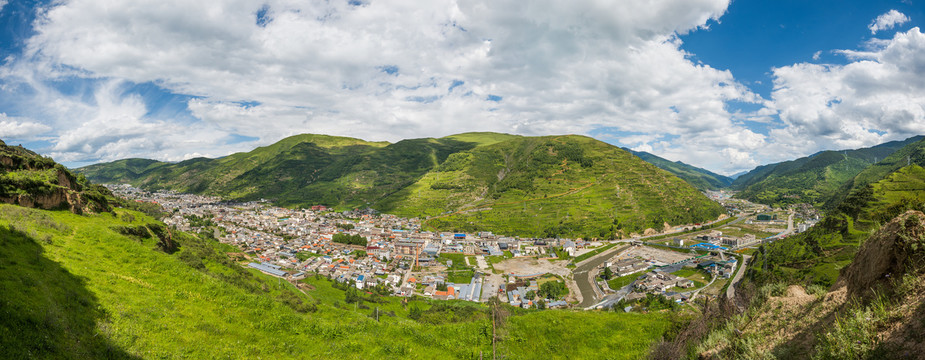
[[590, 294]]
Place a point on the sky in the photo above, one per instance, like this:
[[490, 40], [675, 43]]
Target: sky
[[723, 85]]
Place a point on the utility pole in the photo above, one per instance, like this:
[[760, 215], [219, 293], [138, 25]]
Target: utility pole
[[493, 304]]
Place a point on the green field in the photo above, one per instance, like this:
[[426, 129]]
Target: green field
[[590, 335], [619, 282], [740, 230], [699, 277]]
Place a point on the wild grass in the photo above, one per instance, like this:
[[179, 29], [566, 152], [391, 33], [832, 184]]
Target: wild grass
[[853, 335]]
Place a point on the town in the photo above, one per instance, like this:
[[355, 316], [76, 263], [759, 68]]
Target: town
[[393, 255]]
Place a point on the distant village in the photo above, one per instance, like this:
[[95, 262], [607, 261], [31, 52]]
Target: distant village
[[390, 254], [295, 243]]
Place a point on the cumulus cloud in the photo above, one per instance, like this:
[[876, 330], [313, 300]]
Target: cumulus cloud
[[18, 128], [878, 96], [390, 70], [887, 21], [386, 71]]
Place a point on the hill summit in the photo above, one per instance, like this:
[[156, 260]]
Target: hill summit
[[529, 186]]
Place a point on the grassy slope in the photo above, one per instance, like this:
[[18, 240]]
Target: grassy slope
[[814, 179], [818, 255], [549, 186], [75, 288], [913, 153], [699, 178], [875, 316]]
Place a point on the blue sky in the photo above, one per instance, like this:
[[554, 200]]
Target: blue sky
[[755, 36], [722, 85]]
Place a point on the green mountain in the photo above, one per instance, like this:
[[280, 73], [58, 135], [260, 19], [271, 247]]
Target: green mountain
[[813, 179], [816, 255], [530, 186], [700, 178], [912, 153]]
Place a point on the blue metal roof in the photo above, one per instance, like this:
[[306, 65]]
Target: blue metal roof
[[267, 269]]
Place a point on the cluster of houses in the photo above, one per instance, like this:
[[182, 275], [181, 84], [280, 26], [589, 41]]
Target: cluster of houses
[[293, 242], [628, 266], [660, 281], [517, 293], [469, 292], [716, 241], [722, 268]]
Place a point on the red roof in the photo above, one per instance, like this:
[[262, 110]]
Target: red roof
[[449, 291]]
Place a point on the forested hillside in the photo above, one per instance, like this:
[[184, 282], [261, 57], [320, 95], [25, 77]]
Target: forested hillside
[[551, 186], [814, 179], [532, 186], [817, 255], [699, 178]]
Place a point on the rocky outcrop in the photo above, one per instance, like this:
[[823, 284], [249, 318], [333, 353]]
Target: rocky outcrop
[[896, 249], [31, 180]]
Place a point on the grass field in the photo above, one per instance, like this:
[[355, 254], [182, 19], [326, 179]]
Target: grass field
[[622, 281], [626, 335]]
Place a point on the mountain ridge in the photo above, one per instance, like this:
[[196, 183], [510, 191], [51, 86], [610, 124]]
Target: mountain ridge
[[813, 179], [490, 170], [700, 178]]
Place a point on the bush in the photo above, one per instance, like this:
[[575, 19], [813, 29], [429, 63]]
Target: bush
[[552, 290], [349, 239]]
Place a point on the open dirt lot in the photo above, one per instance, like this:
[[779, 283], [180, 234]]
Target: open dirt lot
[[659, 255]]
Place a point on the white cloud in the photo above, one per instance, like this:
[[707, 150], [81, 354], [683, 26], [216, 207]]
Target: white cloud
[[887, 21], [18, 128], [383, 71], [877, 97], [3, 3]]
